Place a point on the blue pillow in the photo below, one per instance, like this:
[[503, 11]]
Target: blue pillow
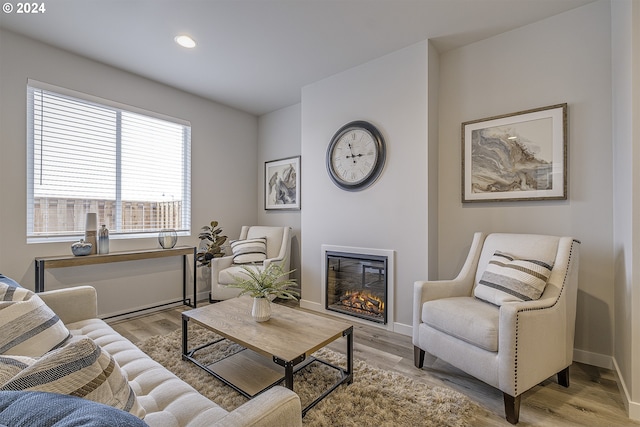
[[39, 409], [9, 281]]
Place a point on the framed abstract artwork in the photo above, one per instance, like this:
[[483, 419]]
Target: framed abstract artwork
[[282, 184], [514, 157]]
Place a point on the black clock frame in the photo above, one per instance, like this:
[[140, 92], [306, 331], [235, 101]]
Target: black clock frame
[[377, 169]]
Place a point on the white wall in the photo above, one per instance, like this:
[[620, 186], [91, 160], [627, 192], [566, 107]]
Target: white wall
[[391, 93], [565, 58], [625, 27], [279, 137], [224, 176]]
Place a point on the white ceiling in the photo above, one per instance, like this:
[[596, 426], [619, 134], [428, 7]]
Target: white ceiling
[[256, 55]]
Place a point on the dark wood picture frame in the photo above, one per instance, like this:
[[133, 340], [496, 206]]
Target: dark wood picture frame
[[516, 157], [282, 184]]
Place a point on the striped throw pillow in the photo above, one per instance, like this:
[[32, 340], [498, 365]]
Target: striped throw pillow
[[509, 279], [249, 251], [27, 326], [82, 369]]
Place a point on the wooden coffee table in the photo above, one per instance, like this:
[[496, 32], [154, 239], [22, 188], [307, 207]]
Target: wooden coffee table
[[287, 339]]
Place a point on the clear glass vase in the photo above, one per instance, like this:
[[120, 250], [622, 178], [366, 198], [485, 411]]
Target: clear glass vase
[[261, 310], [167, 238]]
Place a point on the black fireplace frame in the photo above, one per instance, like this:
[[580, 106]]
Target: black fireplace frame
[[359, 257]]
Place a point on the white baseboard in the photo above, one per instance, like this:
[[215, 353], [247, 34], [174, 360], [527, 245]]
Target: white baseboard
[[310, 305], [593, 359], [201, 296], [633, 408], [403, 329]]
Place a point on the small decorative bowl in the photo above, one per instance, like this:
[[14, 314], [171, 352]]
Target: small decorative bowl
[[81, 248]]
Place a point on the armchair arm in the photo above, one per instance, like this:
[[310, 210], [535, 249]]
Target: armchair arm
[[536, 337], [278, 406], [72, 304], [285, 248], [218, 264], [284, 253], [462, 285], [424, 291], [533, 343]]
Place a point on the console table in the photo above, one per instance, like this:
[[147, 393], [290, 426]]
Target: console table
[[75, 261]]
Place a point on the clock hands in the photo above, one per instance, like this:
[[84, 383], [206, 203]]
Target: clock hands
[[353, 156]]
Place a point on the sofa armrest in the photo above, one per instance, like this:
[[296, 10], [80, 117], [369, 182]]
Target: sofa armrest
[[277, 406], [72, 304]]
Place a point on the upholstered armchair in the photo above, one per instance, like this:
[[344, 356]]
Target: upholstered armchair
[[508, 318], [247, 251]]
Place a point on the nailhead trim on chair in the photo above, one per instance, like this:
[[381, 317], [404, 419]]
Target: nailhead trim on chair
[[564, 282]]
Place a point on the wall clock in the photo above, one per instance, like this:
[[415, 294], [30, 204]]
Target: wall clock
[[356, 156]]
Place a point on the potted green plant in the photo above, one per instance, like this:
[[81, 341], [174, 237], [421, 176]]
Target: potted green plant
[[264, 285], [210, 234]]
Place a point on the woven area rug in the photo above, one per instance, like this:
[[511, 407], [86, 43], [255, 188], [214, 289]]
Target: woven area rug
[[375, 398]]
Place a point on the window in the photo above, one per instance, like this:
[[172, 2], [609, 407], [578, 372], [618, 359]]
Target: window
[[131, 167]]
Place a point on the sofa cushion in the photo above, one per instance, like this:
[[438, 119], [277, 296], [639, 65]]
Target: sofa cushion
[[509, 279], [27, 326], [59, 410], [466, 318], [167, 400], [81, 368], [249, 251]]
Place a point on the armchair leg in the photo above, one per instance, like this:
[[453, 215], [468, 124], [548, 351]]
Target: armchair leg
[[418, 357], [563, 377], [511, 408]]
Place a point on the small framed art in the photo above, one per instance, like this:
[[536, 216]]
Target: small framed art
[[282, 184], [518, 156]]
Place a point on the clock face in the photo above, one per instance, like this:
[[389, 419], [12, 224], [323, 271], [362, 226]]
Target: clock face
[[355, 156]]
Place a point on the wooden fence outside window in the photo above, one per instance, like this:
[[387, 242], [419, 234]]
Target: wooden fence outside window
[[59, 215]]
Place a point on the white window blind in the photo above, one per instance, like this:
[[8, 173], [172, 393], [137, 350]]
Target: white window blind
[[84, 154]]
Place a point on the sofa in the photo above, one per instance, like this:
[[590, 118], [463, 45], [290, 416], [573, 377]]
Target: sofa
[[162, 398]]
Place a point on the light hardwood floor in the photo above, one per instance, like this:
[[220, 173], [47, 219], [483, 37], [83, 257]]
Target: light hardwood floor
[[593, 398]]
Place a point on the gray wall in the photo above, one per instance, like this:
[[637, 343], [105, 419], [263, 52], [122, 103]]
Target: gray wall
[[224, 155], [392, 214], [280, 134], [625, 27], [565, 58]]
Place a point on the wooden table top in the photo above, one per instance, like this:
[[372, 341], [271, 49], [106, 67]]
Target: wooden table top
[[72, 261], [287, 335]]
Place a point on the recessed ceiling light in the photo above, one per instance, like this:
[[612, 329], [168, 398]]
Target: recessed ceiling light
[[185, 41]]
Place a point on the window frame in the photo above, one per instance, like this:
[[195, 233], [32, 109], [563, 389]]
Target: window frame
[[185, 214]]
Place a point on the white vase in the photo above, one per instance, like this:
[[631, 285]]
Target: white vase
[[261, 310]]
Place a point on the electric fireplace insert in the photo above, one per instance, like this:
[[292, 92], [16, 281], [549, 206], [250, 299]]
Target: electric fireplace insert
[[356, 285]]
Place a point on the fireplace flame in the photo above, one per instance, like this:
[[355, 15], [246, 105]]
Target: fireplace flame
[[362, 300]]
